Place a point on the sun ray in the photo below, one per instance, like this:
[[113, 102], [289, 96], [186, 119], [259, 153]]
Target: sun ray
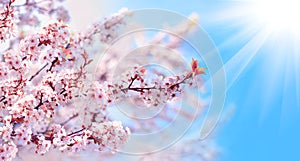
[[289, 108], [297, 69], [242, 35], [272, 29], [236, 65]]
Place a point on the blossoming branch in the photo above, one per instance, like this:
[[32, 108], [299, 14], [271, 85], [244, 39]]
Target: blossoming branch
[[44, 84]]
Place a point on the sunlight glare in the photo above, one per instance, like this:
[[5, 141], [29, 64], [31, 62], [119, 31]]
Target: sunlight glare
[[279, 14]]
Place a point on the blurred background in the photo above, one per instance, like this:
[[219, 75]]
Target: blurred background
[[259, 43]]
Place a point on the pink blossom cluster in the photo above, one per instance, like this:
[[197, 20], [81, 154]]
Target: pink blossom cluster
[[152, 89], [40, 79], [106, 29], [46, 98], [30, 13], [7, 16]]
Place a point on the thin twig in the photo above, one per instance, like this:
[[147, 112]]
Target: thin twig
[[38, 72], [71, 118]]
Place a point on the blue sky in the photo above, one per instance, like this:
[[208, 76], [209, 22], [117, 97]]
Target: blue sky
[[262, 76]]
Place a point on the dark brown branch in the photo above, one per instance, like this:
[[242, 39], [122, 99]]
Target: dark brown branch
[[63, 91], [25, 57], [141, 89], [41, 102], [137, 89], [53, 63], [132, 80], [2, 98], [76, 132], [51, 85], [19, 82], [38, 72]]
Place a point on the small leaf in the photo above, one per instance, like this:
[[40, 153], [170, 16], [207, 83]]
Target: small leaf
[[200, 71], [194, 64]]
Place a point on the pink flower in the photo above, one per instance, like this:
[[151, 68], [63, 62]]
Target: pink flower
[[8, 151], [43, 145], [110, 134], [7, 24], [48, 98]]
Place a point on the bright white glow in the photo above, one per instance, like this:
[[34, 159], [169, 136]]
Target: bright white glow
[[279, 14]]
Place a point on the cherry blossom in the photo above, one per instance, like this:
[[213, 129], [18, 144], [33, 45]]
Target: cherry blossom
[[106, 29], [8, 151], [7, 24], [110, 134], [47, 98]]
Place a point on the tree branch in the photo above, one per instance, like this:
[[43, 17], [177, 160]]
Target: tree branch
[[71, 118], [38, 72]]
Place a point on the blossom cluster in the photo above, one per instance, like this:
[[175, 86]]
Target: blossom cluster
[[46, 98], [153, 89], [16, 18], [41, 78], [106, 29], [7, 23]]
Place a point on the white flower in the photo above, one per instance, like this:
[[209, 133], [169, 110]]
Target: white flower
[[8, 151], [43, 145], [111, 134], [5, 131]]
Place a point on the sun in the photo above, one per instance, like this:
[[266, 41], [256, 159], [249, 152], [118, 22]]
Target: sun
[[278, 15]]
